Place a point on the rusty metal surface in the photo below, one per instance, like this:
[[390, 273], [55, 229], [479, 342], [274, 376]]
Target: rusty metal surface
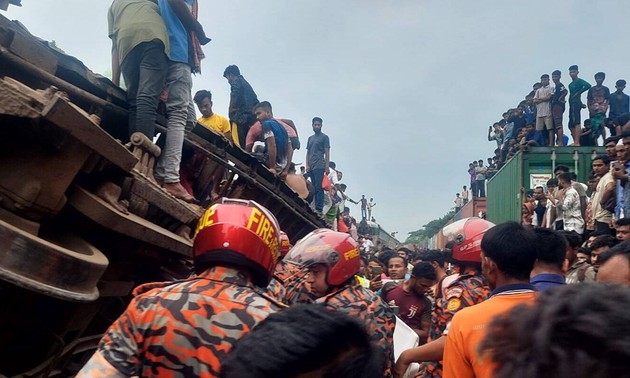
[[128, 224], [48, 268]]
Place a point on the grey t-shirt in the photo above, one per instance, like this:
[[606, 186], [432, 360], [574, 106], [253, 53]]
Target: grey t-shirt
[[317, 145]]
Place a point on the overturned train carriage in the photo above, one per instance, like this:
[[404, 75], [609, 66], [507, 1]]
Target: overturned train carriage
[[80, 222]]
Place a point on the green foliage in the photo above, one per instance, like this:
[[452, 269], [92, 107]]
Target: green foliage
[[428, 230]]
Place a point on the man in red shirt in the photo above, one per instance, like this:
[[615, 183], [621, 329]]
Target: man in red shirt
[[414, 308]]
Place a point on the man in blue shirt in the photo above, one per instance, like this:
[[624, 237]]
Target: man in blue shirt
[[278, 149], [551, 260], [180, 19]]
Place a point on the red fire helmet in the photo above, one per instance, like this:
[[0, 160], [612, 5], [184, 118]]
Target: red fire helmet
[[238, 233], [337, 250], [466, 235], [285, 243]]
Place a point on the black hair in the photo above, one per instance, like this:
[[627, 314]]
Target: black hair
[[623, 222], [604, 158], [512, 247], [385, 255], [603, 241], [574, 240], [436, 256], [231, 70], [571, 331], [332, 164], [562, 168], [585, 250], [621, 249], [565, 176], [302, 339], [600, 74], [424, 270], [545, 76], [396, 255], [263, 104], [317, 119], [556, 73], [552, 182], [552, 247], [200, 95]]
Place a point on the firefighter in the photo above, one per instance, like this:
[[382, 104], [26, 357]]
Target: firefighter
[[186, 328], [454, 292], [333, 259], [289, 284]]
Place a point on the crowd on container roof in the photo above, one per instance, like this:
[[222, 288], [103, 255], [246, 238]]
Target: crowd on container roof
[[538, 120]]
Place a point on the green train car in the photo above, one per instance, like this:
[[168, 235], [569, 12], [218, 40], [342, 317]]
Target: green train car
[[530, 168]]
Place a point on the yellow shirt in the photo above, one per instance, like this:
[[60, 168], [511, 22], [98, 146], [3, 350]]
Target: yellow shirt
[[468, 329], [216, 123]]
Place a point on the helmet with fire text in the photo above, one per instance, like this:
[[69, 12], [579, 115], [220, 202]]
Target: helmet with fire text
[[238, 233], [466, 235], [285, 243], [336, 250]]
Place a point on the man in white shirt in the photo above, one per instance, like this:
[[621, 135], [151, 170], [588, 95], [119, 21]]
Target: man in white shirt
[[569, 202], [604, 191], [542, 99]]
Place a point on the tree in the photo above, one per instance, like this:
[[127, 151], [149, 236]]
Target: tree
[[428, 230]]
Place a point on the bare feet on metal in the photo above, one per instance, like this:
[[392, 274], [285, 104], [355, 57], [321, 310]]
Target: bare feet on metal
[[177, 190]]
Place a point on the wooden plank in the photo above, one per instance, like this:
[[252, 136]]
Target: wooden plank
[[77, 123], [128, 224], [165, 202]]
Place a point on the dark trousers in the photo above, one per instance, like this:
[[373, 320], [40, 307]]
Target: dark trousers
[[481, 188], [144, 70], [317, 176]]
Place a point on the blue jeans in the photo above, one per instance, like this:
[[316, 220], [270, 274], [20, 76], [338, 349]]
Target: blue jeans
[[179, 84], [317, 176], [144, 70]]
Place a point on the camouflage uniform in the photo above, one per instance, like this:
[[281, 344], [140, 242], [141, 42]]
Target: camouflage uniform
[[379, 318], [289, 285], [458, 291], [184, 328]]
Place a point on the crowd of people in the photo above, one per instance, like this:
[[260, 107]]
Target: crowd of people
[[156, 58], [328, 306], [258, 306], [538, 120]]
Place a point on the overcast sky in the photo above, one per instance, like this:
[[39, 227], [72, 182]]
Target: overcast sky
[[407, 89]]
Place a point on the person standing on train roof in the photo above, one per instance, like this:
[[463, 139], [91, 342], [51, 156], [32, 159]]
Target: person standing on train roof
[[186, 328], [140, 49], [317, 160], [186, 35], [242, 101]]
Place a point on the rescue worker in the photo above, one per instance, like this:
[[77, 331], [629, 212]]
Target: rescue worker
[[186, 328], [289, 284], [454, 292], [508, 253], [333, 259]]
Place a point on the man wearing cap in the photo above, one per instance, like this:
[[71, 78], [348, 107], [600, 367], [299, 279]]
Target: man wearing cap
[[619, 102], [576, 88], [558, 105]]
